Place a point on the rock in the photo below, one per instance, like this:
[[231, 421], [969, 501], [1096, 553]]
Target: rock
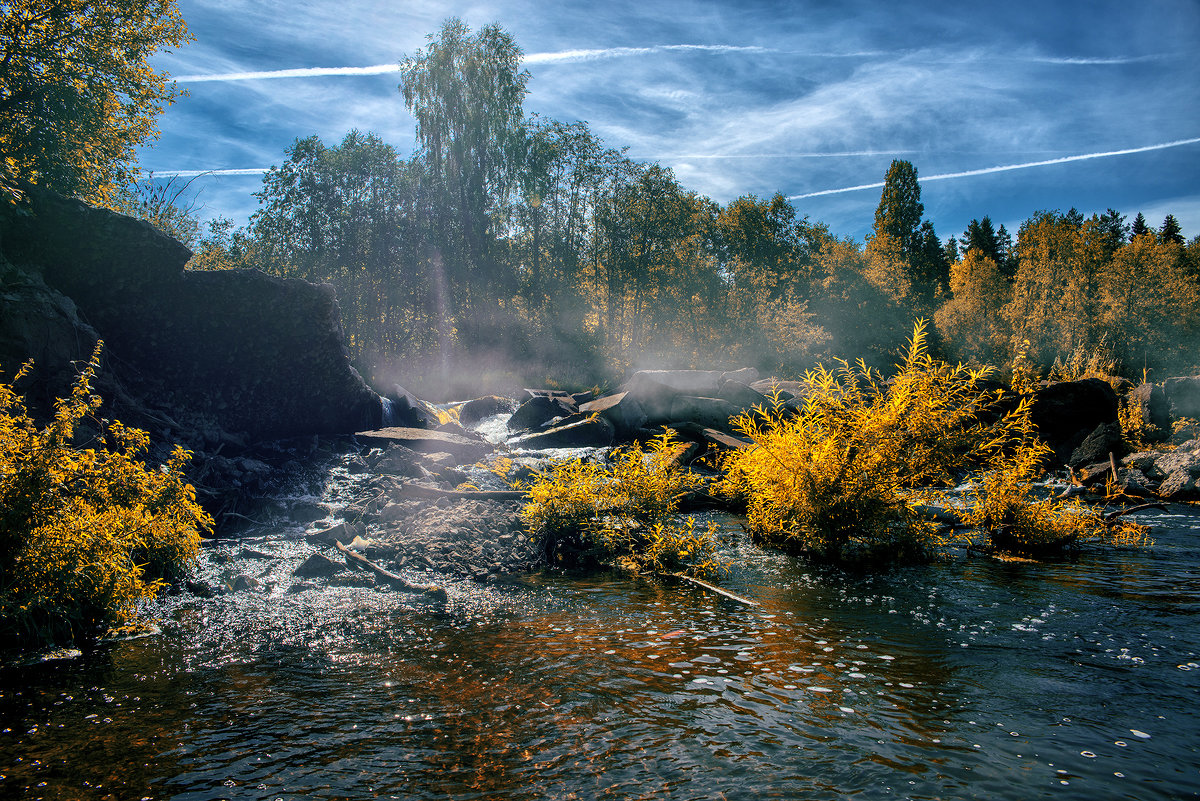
[[1150, 407], [242, 583], [622, 410], [590, 432], [1145, 462], [398, 460], [1067, 412], [402, 408], [653, 398], [319, 565], [713, 437], [466, 450], [1096, 446], [1178, 461], [702, 383], [1179, 485], [306, 512], [256, 354], [786, 389], [534, 413], [742, 396], [475, 410], [1183, 396], [746, 375], [707, 412], [342, 532]]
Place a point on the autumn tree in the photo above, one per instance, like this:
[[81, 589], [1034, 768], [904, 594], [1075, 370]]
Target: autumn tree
[[1150, 304], [972, 320], [77, 93]]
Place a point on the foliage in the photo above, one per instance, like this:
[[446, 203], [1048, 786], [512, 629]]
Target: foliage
[[625, 511], [1003, 507], [971, 320], [835, 480], [77, 94], [85, 532]]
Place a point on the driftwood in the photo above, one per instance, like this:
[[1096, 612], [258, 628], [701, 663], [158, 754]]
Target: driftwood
[[1111, 516], [422, 491], [704, 585], [358, 561]]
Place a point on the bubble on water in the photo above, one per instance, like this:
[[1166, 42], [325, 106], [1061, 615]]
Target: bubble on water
[[1142, 734], [1118, 774], [820, 689], [1121, 743], [847, 710], [887, 658], [1087, 754]]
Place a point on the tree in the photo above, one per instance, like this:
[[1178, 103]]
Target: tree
[[1170, 231], [1111, 229], [1139, 226], [77, 94], [466, 92], [899, 212], [971, 321]]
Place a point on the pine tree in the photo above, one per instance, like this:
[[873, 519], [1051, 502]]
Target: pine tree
[[899, 212], [1170, 231], [1139, 227]]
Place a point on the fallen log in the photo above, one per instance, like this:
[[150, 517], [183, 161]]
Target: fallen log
[[1111, 516], [360, 562], [422, 491], [704, 585]]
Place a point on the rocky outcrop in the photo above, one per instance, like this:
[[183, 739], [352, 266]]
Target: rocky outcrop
[[1067, 412], [250, 353]]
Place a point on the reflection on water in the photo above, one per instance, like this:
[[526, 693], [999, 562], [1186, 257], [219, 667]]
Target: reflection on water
[[966, 679]]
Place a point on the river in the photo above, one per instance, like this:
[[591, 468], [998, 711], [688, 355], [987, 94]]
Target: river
[[967, 678]]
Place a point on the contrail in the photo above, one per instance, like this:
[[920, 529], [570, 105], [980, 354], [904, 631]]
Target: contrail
[[561, 57], [198, 173], [1007, 167]]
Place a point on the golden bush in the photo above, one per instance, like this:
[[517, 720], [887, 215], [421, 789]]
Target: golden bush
[[85, 532], [838, 479], [1005, 511], [624, 512]]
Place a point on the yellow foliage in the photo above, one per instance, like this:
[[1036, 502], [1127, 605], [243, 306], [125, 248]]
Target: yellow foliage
[[85, 532], [623, 511], [840, 479], [1004, 508], [77, 93], [836, 479]]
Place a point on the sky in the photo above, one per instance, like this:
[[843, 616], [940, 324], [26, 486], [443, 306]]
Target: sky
[[1004, 109]]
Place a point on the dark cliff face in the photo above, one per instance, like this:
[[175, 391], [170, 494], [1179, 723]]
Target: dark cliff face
[[257, 355]]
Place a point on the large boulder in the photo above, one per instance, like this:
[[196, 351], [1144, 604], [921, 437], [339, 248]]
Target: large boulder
[[1067, 412], [621, 409], [465, 449], [706, 412], [477, 409], [1183, 396], [1105, 439], [254, 354], [1150, 408], [539, 410], [703, 383]]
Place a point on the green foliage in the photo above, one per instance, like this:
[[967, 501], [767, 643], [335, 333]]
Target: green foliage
[[625, 512], [85, 532], [77, 94]]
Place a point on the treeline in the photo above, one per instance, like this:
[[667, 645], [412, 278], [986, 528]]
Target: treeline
[[526, 246]]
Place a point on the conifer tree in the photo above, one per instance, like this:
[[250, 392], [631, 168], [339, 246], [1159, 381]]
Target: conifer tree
[[1139, 227], [1170, 231]]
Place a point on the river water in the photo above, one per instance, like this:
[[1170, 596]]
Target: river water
[[968, 678]]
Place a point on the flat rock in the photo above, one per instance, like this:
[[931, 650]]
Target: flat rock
[[318, 565], [622, 410], [419, 439]]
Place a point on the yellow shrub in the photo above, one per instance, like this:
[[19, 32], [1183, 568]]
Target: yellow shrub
[[836, 479], [85, 532], [581, 511], [1003, 506]]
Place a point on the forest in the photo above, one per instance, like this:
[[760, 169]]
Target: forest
[[515, 247]]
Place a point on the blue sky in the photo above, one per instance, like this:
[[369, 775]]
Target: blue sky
[[743, 97]]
